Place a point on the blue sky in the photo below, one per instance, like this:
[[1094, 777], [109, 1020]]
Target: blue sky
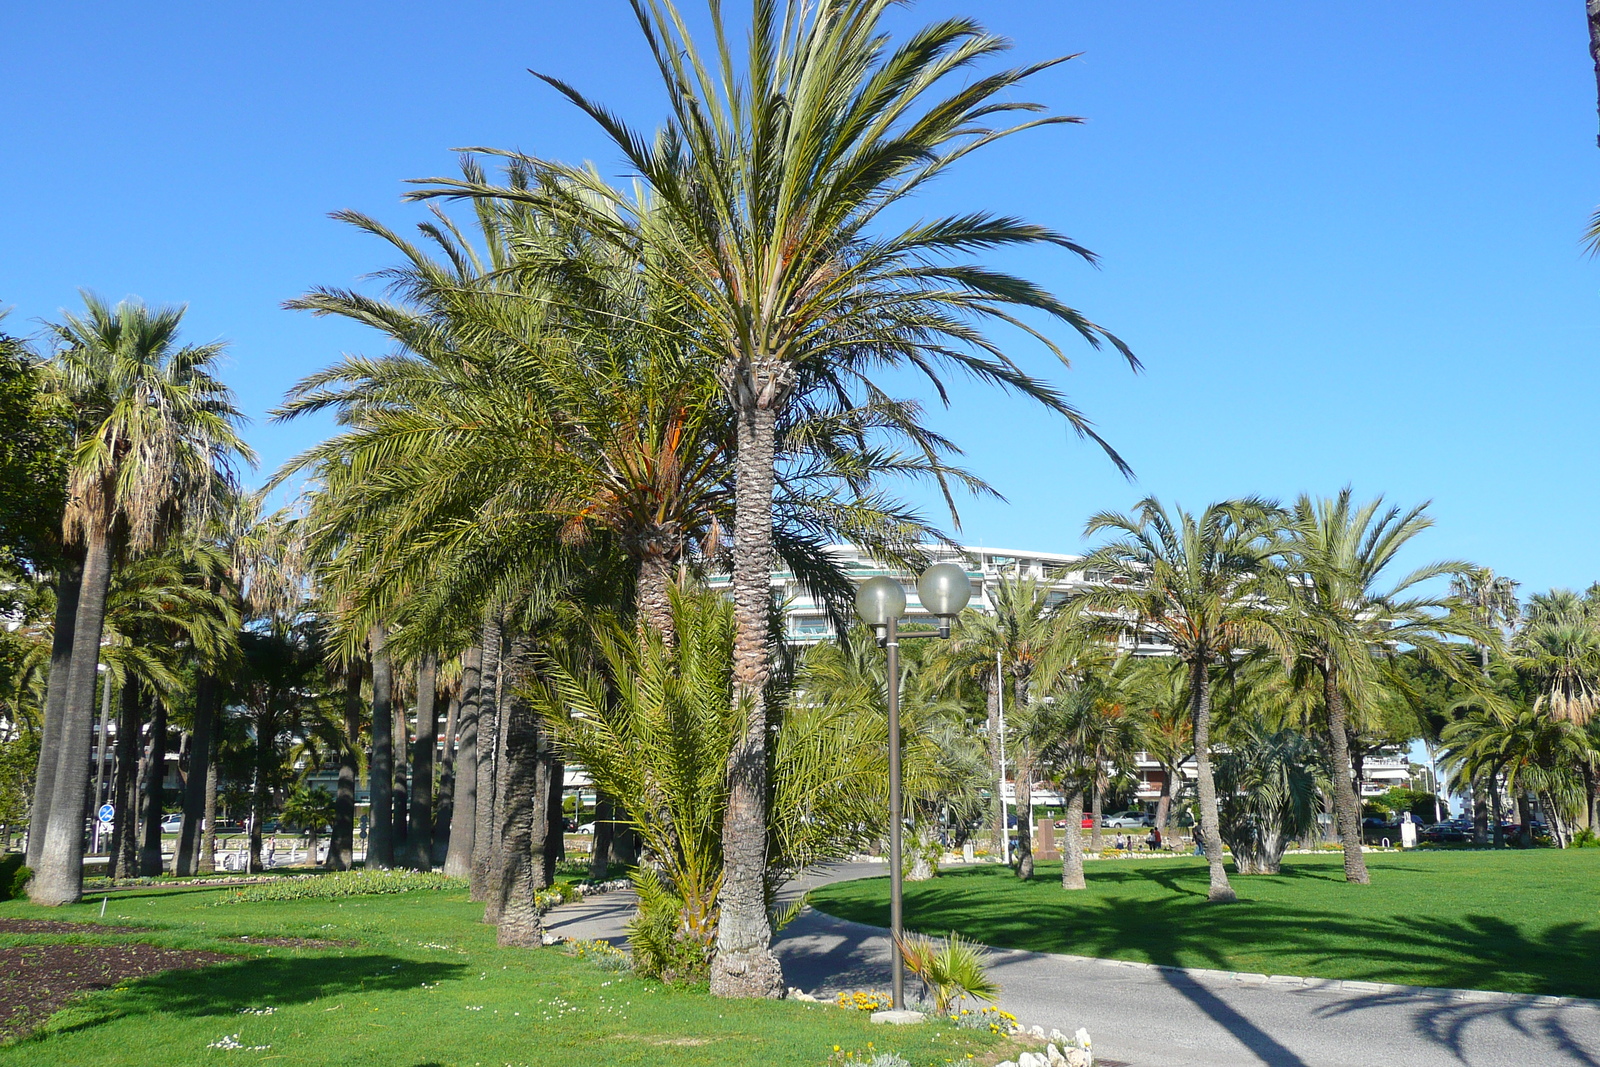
[[1344, 239]]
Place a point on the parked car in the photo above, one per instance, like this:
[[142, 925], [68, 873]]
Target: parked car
[[1445, 833], [586, 828], [1127, 820], [171, 824]]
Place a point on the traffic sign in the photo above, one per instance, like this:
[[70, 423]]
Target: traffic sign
[[107, 813]]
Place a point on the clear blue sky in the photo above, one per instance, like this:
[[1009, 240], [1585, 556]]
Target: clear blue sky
[[1343, 238]]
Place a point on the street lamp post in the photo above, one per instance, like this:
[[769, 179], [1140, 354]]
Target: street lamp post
[[944, 590]]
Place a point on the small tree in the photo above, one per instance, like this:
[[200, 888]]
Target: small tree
[[1268, 782]]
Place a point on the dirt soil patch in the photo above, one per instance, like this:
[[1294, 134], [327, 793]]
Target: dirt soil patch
[[293, 942], [50, 926], [36, 980]]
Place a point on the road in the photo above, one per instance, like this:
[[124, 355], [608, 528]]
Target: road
[[1149, 1017]]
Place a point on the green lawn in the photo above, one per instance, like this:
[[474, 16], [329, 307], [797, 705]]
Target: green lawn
[[1525, 922], [425, 985]]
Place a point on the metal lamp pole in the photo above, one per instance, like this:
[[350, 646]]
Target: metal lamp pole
[[944, 590]]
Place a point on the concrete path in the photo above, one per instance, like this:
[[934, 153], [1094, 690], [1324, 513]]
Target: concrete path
[[1161, 1017]]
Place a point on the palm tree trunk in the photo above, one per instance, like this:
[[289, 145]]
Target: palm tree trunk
[[260, 793], [420, 830], [1499, 833], [150, 862], [380, 768], [1346, 804], [1524, 820], [512, 780], [1072, 843], [524, 829], [600, 858], [194, 786], [1210, 831], [555, 849], [744, 965], [1024, 814], [342, 843], [1097, 839], [652, 596], [485, 834], [444, 803], [1480, 812], [1170, 789], [67, 585], [402, 783], [58, 879], [464, 802], [124, 787], [206, 863]]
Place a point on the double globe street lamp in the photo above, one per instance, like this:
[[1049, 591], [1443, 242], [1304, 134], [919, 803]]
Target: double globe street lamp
[[944, 590]]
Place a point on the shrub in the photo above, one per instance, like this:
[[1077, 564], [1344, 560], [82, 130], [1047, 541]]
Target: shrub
[[14, 875], [342, 884], [664, 945], [951, 970], [1585, 838], [602, 954]]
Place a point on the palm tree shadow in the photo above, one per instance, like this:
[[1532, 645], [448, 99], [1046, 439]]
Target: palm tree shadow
[[256, 982], [1445, 1021]]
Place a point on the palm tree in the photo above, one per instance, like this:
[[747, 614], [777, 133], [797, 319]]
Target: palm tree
[[1078, 722], [763, 194], [163, 439], [1194, 580], [1493, 601], [1002, 648], [1268, 778], [1159, 688], [1336, 553], [943, 768]]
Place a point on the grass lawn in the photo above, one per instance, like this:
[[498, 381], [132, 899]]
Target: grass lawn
[[423, 985], [1521, 922]]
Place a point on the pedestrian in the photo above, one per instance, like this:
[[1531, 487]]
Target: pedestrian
[[1153, 842]]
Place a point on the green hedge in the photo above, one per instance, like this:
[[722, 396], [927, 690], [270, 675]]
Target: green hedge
[[342, 884], [13, 875]]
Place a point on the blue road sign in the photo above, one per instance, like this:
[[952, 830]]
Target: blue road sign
[[107, 813]]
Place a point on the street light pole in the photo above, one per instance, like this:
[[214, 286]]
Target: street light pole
[[891, 646], [944, 590]]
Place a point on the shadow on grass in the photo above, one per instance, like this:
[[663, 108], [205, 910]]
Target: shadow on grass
[[1179, 928], [258, 982]]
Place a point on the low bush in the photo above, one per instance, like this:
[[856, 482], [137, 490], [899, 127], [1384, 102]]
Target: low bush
[[951, 970], [602, 954], [342, 884], [14, 875]]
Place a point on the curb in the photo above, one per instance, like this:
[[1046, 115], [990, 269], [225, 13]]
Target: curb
[[1329, 985]]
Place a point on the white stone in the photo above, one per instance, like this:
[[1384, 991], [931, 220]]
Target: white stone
[[1059, 1038], [1054, 1057], [1079, 1057], [1037, 1031], [898, 1018], [1081, 1039], [1033, 1059]]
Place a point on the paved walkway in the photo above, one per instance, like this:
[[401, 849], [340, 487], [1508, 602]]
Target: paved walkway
[[1149, 1017]]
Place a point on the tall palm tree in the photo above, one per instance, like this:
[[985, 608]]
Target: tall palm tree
[[766, 192], [164, 440], [1194, 580], [1336, 553], [1493, 601]]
